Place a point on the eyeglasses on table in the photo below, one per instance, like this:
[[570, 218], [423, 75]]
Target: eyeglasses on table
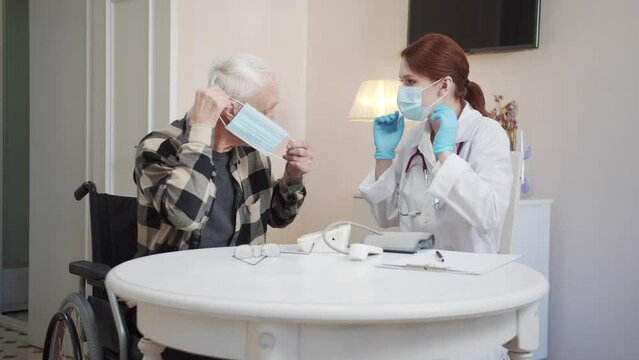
[[260, 252]]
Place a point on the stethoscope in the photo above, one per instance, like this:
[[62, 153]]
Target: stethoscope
[[419, 155]]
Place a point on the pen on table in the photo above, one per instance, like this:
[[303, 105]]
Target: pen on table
[[440, 257]]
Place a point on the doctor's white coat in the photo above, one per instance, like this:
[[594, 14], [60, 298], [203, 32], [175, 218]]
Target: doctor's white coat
[[463, 201]]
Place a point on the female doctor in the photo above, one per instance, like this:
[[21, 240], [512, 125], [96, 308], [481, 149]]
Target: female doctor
[[453, 174]]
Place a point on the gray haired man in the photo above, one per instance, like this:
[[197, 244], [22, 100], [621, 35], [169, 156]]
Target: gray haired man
[[201, 186]]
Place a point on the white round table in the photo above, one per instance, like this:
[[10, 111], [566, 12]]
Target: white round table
[[324, 306]]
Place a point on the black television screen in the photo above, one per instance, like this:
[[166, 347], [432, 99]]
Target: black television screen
[[478, 25]]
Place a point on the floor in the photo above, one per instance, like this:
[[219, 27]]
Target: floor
[[13, 345], [20, 315]]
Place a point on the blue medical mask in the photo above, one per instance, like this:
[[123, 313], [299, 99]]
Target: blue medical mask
[[409, 102], [256, 130]]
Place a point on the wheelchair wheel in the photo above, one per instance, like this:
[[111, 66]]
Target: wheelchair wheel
[[62, 339], [79, 311]]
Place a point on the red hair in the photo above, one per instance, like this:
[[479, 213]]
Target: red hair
[[437, 56]]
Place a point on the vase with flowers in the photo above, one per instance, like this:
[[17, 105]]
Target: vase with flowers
[[506, 115]]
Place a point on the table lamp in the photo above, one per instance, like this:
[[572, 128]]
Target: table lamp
[[374, 98]]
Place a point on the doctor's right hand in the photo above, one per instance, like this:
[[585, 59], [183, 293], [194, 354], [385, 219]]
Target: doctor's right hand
[[387, 132]]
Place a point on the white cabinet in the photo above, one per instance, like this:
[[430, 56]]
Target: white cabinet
[[532, 242]]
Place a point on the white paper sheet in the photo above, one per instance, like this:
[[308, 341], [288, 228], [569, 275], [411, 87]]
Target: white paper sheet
[[454, 261]]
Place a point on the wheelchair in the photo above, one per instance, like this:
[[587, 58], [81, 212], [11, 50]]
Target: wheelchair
[[97, 326]]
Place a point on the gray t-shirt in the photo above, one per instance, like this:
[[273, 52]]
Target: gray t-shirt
[[220, 227]]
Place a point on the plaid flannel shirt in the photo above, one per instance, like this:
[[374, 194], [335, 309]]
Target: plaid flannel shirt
[[174, 174]]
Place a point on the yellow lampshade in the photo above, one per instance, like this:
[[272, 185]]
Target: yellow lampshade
[[374, 98]]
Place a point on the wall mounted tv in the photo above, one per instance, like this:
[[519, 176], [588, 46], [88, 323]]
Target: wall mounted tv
[[478, 25]]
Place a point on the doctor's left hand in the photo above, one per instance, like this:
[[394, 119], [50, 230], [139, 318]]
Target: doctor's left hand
[[447, 133], [387, 132], [299, 157]]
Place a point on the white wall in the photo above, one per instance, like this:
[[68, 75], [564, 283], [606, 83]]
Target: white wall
[[130, 99], [95, 91], [57, 90], [274, 30], [139, 71], [576, 96]]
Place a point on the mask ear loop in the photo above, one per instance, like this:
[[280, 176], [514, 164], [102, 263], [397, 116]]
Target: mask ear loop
[[433, 84], [440, 98], [270, 154], [220, 116]]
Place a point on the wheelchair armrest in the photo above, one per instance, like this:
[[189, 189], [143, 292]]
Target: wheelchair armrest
[[92, 271]]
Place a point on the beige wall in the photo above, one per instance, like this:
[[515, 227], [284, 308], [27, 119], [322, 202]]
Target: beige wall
[[274, 30], [320, 50], [575, 94], [348, 41]]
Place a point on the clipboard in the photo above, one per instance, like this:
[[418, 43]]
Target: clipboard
[[454, 262]]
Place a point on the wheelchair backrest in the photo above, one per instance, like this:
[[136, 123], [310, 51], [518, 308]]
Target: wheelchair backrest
[[113, 228]]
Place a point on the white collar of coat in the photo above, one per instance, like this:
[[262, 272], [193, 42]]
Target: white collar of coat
[[469, 119]]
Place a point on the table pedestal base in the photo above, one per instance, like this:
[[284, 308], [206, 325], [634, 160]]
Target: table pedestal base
[[527, 339], [151, 350]]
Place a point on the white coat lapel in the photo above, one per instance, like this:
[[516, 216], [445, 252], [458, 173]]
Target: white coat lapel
[[469, 120], [425, 146]]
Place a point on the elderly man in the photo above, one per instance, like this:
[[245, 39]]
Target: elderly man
[[200, 186]]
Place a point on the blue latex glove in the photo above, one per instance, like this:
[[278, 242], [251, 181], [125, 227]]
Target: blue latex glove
[[447, 133], [387, 131]]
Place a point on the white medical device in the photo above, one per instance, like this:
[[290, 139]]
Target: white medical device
[[355, 251], [336, 237], [401, 242]]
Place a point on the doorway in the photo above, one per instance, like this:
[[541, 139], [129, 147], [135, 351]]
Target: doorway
[[14, 169]]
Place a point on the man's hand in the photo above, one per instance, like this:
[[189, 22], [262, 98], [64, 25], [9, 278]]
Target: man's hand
[[299, 157], [209, 104]]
